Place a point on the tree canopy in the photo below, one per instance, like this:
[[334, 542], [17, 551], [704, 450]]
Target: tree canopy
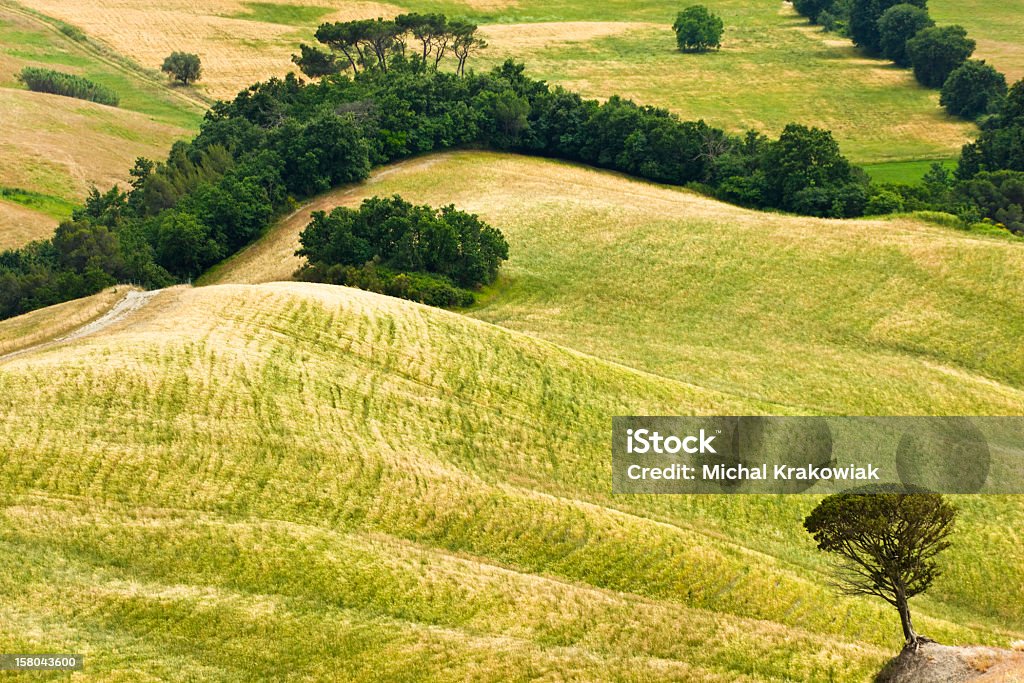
[[864, 18], [896, 26], [937, 51], [972, 89], [375, 43], [437, 251]]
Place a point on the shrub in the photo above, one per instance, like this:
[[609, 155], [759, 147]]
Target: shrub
[[68, 85], [698, 29], [884, 202], [972, 89], [936, 52], [999, 197], [183, 67], [896, 26]]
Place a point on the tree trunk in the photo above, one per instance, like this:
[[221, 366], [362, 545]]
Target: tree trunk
[[908, 627]]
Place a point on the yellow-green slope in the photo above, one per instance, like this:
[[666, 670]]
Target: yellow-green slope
[[307, 481], [849, 317]]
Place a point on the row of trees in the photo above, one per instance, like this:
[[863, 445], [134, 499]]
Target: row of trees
[[374, 43], [904, 32], [389, 245], [68, 85]]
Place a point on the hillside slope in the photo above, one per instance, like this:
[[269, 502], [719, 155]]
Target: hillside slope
[[296, 480], [54, 148], [849, 317]]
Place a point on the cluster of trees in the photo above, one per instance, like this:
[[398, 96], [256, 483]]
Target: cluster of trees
[[68, 85], [388, 245], [698, 29], [904, 32], [284, 140], [375, 43], [183, 67]]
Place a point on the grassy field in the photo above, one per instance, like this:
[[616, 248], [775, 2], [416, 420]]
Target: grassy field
[[850, 317], [997, 28], [54, 147], [300, 481], [773, 68]]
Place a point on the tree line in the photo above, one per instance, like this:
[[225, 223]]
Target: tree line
[[283, 140], [903, 31], [373, 43]]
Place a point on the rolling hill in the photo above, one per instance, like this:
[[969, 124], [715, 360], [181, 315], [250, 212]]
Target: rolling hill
[[848, 317], [296, 481]]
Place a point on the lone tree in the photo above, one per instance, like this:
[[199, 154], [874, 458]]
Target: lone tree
[[887, 540], [698, 29], [183, 67]]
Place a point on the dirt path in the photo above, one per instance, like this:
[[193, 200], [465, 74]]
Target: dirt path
[[131, 303]]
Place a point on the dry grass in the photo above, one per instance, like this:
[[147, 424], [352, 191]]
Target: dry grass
[[878, 315], [509, 39], [51, 323], [61, 146], [235, 51], [19, 225], [56, 147], [997, 28]]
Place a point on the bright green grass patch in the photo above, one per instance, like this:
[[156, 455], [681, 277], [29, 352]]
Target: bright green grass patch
[[50, 205], [276, 13], [905, 172]]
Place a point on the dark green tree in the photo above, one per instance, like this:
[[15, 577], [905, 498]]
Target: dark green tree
[[183, 67], [887, 542], [804, 170], [315, 63], [464, 42], [896, 26], [972, 89], [937, 51], [864, 16], [812, 9], [698, 29]]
